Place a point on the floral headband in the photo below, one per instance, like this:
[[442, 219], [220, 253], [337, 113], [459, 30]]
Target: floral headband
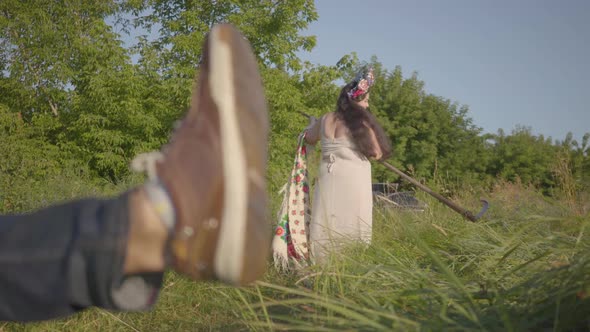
[[364, 81]]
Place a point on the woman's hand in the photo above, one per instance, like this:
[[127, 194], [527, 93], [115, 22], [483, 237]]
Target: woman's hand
[[376, 156], [377, 153]]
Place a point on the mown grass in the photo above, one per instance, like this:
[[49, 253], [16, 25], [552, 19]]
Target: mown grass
[[524, 267]]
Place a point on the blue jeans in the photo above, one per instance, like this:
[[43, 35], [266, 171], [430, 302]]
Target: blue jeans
[[68, 257]]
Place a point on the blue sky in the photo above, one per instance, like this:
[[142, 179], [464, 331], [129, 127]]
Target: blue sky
[[520, 62]]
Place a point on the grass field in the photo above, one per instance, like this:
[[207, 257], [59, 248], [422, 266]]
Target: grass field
[[524, 267]]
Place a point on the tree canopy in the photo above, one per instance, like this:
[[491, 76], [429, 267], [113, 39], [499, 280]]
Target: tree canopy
[[77, 98]]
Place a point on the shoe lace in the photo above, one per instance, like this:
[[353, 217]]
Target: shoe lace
[[146, 163]]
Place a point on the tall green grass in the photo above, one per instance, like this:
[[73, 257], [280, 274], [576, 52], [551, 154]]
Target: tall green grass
[[524, 267]]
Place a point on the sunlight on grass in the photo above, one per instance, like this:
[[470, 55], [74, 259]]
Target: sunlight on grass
[[525, 266]]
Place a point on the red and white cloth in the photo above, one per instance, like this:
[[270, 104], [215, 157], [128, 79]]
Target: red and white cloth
[[290, 244]]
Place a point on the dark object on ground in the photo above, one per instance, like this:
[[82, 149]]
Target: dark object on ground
[[386, 194]]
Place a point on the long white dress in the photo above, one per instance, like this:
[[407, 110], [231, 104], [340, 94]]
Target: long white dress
[[342, 208]]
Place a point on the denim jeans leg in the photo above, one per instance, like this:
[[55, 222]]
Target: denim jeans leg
[[68, 257]]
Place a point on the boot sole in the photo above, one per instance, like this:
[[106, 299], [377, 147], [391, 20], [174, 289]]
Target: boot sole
[[239, 175]]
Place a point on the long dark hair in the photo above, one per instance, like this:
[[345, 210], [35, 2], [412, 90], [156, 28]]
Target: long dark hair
[[354, 117]]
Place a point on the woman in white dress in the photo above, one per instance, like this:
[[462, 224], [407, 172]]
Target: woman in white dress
[[343, 198]]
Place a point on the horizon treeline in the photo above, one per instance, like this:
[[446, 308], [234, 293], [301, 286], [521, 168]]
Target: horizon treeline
[[77, 103]]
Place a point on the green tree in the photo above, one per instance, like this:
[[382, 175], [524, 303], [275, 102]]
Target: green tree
[[431, 136], [272, 27], [68, 74], [42, 50], [34, 172], [572, 167], [523, 156]]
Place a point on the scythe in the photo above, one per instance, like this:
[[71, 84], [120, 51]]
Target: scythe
[[462, 211]]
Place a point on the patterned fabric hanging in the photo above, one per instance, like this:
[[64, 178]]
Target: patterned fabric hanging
[[291, 240]]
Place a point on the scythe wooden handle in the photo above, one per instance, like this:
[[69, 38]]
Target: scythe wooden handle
[[465, 213], [304, 114]]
